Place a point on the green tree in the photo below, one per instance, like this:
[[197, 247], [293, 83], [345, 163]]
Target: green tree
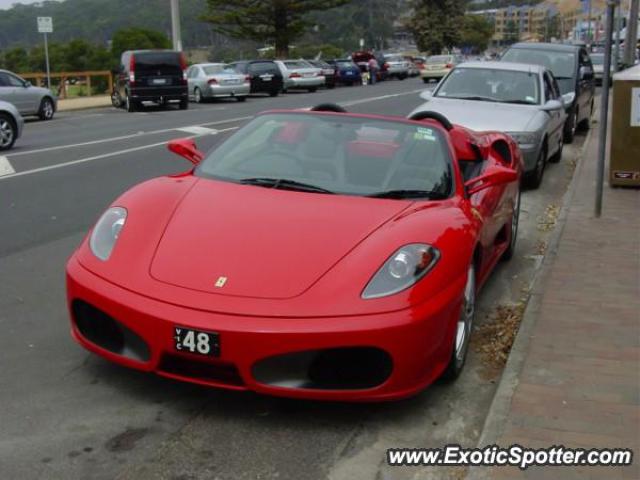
[[16, 60], [476, 33], [435, 24], [277, 22], [137, 39]]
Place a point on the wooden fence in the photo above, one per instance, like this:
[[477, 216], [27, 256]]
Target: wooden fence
[[41, 79]]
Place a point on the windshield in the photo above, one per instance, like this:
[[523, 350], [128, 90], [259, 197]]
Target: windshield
[[505, 86], [214, 69], [440, 59], [345, 64], [561, 64], [335, 154], [394, 58], [597, 58], [291, 65]]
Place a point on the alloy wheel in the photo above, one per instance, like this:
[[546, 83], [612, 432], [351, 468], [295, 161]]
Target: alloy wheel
[[6, 133], [197, 95], [465, 322], [47, 109]]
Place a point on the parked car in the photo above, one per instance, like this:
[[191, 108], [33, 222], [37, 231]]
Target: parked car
[[158, 76], [11, 125], [397, 66], [438, 66], [216, 80], [264, 75], [347, 72], [598, 67], [362, 60], [522, 100], [29, 100], [414, 71], [572, 68], [328, 71], [420, 63], [313, 254], [300, 75]]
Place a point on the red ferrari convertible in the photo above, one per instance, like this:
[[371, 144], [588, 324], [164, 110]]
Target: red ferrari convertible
[[314, 254]]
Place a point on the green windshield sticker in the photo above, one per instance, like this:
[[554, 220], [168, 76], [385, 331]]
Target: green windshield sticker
[[424, 134]]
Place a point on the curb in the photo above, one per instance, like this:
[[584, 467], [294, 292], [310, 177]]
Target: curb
[[501, 403]]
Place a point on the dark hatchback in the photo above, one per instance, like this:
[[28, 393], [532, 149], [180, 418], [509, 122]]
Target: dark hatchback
[[328, 71], [572, 68], [150, 76], [264, 74], [347, 72]]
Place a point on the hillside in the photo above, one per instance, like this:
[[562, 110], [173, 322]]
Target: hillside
[[96, 20]]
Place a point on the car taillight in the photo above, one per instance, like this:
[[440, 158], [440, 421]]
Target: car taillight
[[132, 71], [213, 81], [183, 65], [294, 75], [247, 78], [385, 65], [449, 65]]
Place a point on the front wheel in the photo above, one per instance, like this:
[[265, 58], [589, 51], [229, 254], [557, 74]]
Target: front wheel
[[274, 93], [426, 80], [116, 100], [464, 327], [8, 132], [533, 179], [571, 127], [241, 99], [197, 95], [313, 89], [46, 109], [129, 105]]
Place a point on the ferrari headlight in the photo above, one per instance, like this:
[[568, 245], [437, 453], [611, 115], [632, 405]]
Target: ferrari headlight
[[106, 232], [524, 138], [404, 268]]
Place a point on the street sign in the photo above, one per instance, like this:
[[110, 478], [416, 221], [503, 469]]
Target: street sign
[[45, 25]]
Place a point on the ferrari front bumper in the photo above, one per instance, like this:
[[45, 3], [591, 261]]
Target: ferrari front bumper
[[357, 358]]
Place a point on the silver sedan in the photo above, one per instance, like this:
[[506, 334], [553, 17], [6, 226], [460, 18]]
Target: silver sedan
[[11, 125], [215, 80], [29, 100], [298, 74], [522, 100]]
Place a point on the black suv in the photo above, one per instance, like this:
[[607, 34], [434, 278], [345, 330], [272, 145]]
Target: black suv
[[572, 67], [265, 75], [150, 75]]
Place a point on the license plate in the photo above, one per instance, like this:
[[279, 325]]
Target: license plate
[[266, 78], [349, 73], [196, 341], [159, 81]]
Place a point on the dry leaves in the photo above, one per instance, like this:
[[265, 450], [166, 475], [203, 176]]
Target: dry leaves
[[548, 219], [495, 337], [541, 247]]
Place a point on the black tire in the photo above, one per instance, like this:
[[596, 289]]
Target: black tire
[[585, 123], [8, 131], [558, 155], [313, 89], [571, 126], [426, 80], [513, 234], [467, 316], [46, 110], [273, 93], [533, 180], [116, 100], [184, 104], [130, 105], [197, 95], [331, 86]]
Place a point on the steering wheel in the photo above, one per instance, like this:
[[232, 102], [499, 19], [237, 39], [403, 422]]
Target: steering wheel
[[438, 117], [328, 107]]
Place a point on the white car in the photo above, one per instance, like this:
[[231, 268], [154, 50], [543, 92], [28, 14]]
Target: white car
[[301, 75], [397, 66], [215, 80], [11, 125], [29, 100]]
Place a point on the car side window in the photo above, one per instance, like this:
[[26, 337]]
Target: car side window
[[549, 93], [193, 72], [4, 80], [14, 81], [554, 85]]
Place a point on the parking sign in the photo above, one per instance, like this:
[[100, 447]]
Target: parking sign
[[45, 25]]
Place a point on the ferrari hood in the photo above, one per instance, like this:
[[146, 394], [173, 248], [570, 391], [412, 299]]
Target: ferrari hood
[[249, 241], [483, 116]]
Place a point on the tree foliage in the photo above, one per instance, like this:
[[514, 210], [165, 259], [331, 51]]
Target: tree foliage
[[435, 24], [476, 33], [277, 22], [137, 39]]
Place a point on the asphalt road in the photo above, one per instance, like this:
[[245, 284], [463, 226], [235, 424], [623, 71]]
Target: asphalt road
[[66, 414]]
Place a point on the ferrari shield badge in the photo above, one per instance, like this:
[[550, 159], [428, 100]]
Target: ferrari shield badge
[[221, 282]]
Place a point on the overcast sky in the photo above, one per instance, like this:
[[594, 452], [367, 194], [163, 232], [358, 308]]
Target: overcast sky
[[4, 4]]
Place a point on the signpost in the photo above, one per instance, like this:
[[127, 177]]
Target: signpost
[[45, 25]]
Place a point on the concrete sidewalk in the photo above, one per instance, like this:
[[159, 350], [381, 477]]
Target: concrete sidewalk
[[82, 103], [573, 378]]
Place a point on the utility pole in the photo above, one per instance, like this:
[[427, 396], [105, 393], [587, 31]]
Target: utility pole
[[589, 39], [632, 33], [604, 105], [616, 47], [176, 35]]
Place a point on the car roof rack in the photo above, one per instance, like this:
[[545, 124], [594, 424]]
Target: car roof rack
[[328, 107]]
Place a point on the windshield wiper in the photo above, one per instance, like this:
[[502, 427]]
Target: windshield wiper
[[284, 183], [518, 102], [400, 194], [473, 97], [563, 78]]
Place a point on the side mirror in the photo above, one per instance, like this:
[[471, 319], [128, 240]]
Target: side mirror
[[27, 84], [552, 106], [186, 148], [426, 94], [568, 98], [491, 178]]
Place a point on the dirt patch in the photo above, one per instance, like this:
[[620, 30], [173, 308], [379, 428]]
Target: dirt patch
[[547, 221], [495, 337], [126, 440]]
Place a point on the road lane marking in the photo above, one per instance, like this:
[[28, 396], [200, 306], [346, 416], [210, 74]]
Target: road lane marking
[[198, 130], [124, 137], [5, 167], [97, 157]]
